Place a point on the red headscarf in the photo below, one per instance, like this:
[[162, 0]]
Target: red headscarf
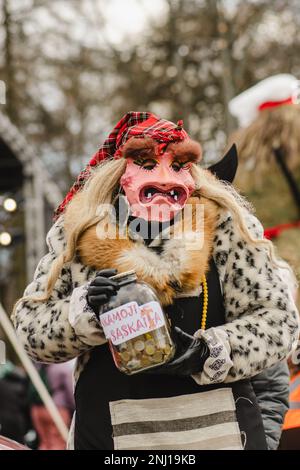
[[133, 124]]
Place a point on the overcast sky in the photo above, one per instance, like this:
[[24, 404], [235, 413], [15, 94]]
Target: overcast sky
[[130, 17]]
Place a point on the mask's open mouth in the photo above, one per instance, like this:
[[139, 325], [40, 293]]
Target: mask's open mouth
[[174, 195]]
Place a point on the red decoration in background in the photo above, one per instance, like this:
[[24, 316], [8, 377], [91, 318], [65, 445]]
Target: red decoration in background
[[274, 104], [274, 232]]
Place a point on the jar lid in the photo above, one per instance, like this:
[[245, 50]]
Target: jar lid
[[125, 278], [123, 274]]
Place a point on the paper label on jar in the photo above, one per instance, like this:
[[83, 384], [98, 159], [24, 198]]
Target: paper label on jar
[[131, 320]]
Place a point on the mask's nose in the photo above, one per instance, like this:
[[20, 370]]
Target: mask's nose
[[164, 175]]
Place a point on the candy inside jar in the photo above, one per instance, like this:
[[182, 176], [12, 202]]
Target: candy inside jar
[[136, 327]]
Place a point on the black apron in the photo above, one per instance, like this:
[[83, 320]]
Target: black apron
[[101, 382]]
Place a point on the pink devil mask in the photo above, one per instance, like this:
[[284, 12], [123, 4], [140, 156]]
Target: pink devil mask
[[157, 181], [162, 186]]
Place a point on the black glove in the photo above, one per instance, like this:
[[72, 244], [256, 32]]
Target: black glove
[[190, 356], [101, 289]]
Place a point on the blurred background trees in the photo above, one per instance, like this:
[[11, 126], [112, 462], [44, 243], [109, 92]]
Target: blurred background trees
[[68, 81]]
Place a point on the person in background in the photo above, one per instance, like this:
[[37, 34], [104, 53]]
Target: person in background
[[58, 380], [267, 105], [290, 439], [14, 406]]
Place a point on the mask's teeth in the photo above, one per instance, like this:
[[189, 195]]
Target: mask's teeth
[[174, 194], [149, 194]]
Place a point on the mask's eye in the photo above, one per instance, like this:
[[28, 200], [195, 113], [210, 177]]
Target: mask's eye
[[148, 164], [177, 166]]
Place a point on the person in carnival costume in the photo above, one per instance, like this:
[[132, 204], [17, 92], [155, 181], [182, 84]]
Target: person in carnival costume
[[268, 116], [231, 313]]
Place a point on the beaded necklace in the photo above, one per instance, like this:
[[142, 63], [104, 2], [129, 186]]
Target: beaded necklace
[[205, 302]]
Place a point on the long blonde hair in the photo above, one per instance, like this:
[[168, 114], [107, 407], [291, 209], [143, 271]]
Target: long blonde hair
[[102, 187]]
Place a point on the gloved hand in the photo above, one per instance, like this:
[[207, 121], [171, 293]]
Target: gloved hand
[[101, 289], [190, 356]]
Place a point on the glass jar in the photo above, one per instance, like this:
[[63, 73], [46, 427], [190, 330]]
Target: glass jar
[[135, 326]]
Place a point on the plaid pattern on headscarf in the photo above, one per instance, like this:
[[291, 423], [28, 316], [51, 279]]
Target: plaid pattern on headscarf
[[133, 124]]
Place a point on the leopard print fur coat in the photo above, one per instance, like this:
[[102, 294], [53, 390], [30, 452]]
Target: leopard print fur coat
[[261, 326]]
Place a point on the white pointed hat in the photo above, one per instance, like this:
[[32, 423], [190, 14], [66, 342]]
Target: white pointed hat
[[269, 93]]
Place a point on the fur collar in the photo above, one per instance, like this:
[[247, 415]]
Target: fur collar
[[176, 271]]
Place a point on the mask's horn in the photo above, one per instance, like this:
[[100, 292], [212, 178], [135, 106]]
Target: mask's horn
[[226, 168]]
